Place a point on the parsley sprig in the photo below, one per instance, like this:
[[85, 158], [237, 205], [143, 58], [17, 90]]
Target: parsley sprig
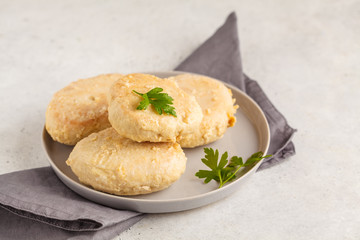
[[160, 101], [224, 171]]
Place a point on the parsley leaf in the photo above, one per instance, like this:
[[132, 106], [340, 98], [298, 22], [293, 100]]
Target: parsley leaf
[[160, 101], [224, 170]]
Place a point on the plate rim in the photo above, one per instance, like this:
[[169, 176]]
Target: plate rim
[[157, 201]]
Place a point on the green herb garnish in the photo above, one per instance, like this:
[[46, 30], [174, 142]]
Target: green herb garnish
[[160, 101], [224, 171]]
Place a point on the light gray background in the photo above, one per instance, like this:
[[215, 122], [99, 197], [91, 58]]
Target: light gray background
[[305, 54]]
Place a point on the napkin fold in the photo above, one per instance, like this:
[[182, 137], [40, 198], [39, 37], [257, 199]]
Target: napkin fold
[[219, 57], [35, 204]]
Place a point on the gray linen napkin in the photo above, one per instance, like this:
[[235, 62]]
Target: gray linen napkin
[[35, 204], [219, 57], [39, 197]]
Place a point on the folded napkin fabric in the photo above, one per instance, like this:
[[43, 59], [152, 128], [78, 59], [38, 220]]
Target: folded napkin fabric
[[35, 204]]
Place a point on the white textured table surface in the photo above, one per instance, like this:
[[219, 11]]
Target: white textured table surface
[[305, 54]]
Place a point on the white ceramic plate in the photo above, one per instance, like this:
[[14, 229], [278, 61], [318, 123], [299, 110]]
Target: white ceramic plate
[[249, 135]]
